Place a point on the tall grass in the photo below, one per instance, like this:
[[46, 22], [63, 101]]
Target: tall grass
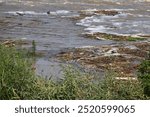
[[16, 78], [17, 81]]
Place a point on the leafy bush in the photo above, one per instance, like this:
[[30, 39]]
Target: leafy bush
[[144, 76]]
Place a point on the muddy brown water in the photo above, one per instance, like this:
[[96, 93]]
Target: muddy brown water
[[56, 32]]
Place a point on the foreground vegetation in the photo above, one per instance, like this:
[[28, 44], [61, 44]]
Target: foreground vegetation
[[17, 81]]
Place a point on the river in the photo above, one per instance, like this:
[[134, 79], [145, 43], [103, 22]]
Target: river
[[49, 23]]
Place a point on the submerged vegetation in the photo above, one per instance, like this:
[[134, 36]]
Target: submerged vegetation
[[17, 81]]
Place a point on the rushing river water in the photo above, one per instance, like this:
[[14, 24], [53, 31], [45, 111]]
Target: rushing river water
[[56, 32]]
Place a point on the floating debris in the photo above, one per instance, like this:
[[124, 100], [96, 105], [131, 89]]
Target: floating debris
[[106, 36], [99, 12], [107, 12], [90, 12], [119, 58], [11, 43]]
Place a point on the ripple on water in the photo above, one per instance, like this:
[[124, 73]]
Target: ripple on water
[[122, 23]]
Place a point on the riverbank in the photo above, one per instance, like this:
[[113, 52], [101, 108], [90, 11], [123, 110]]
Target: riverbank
[[18, 81]]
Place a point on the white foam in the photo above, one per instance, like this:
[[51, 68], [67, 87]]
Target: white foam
[[117, 24], [87, 21], [120, 24], [83, 24], [71, 15], [94, 29], [60, 12], [86, 47], [90, 10]]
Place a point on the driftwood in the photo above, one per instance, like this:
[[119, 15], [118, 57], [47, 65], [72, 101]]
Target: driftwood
[[8, 43]]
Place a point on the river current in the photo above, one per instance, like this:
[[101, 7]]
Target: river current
[[56, 32]]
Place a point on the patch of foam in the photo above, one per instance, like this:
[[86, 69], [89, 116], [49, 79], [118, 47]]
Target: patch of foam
[[60, 12], [83, 24], [143, 15], [94, 29], [118, 3], [117, 24], [92, 19], [90, 10], [71, 15], [86, 47], [120, 24], [87, 21]]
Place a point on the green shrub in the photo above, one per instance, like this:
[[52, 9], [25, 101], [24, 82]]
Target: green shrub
[[144, 76], [16, 78], [82, 86]]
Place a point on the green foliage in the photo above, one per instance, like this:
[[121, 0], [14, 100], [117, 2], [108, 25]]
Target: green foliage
[[121, 89], [16, 78], [144, 76], [17, 81], [134, 38]]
